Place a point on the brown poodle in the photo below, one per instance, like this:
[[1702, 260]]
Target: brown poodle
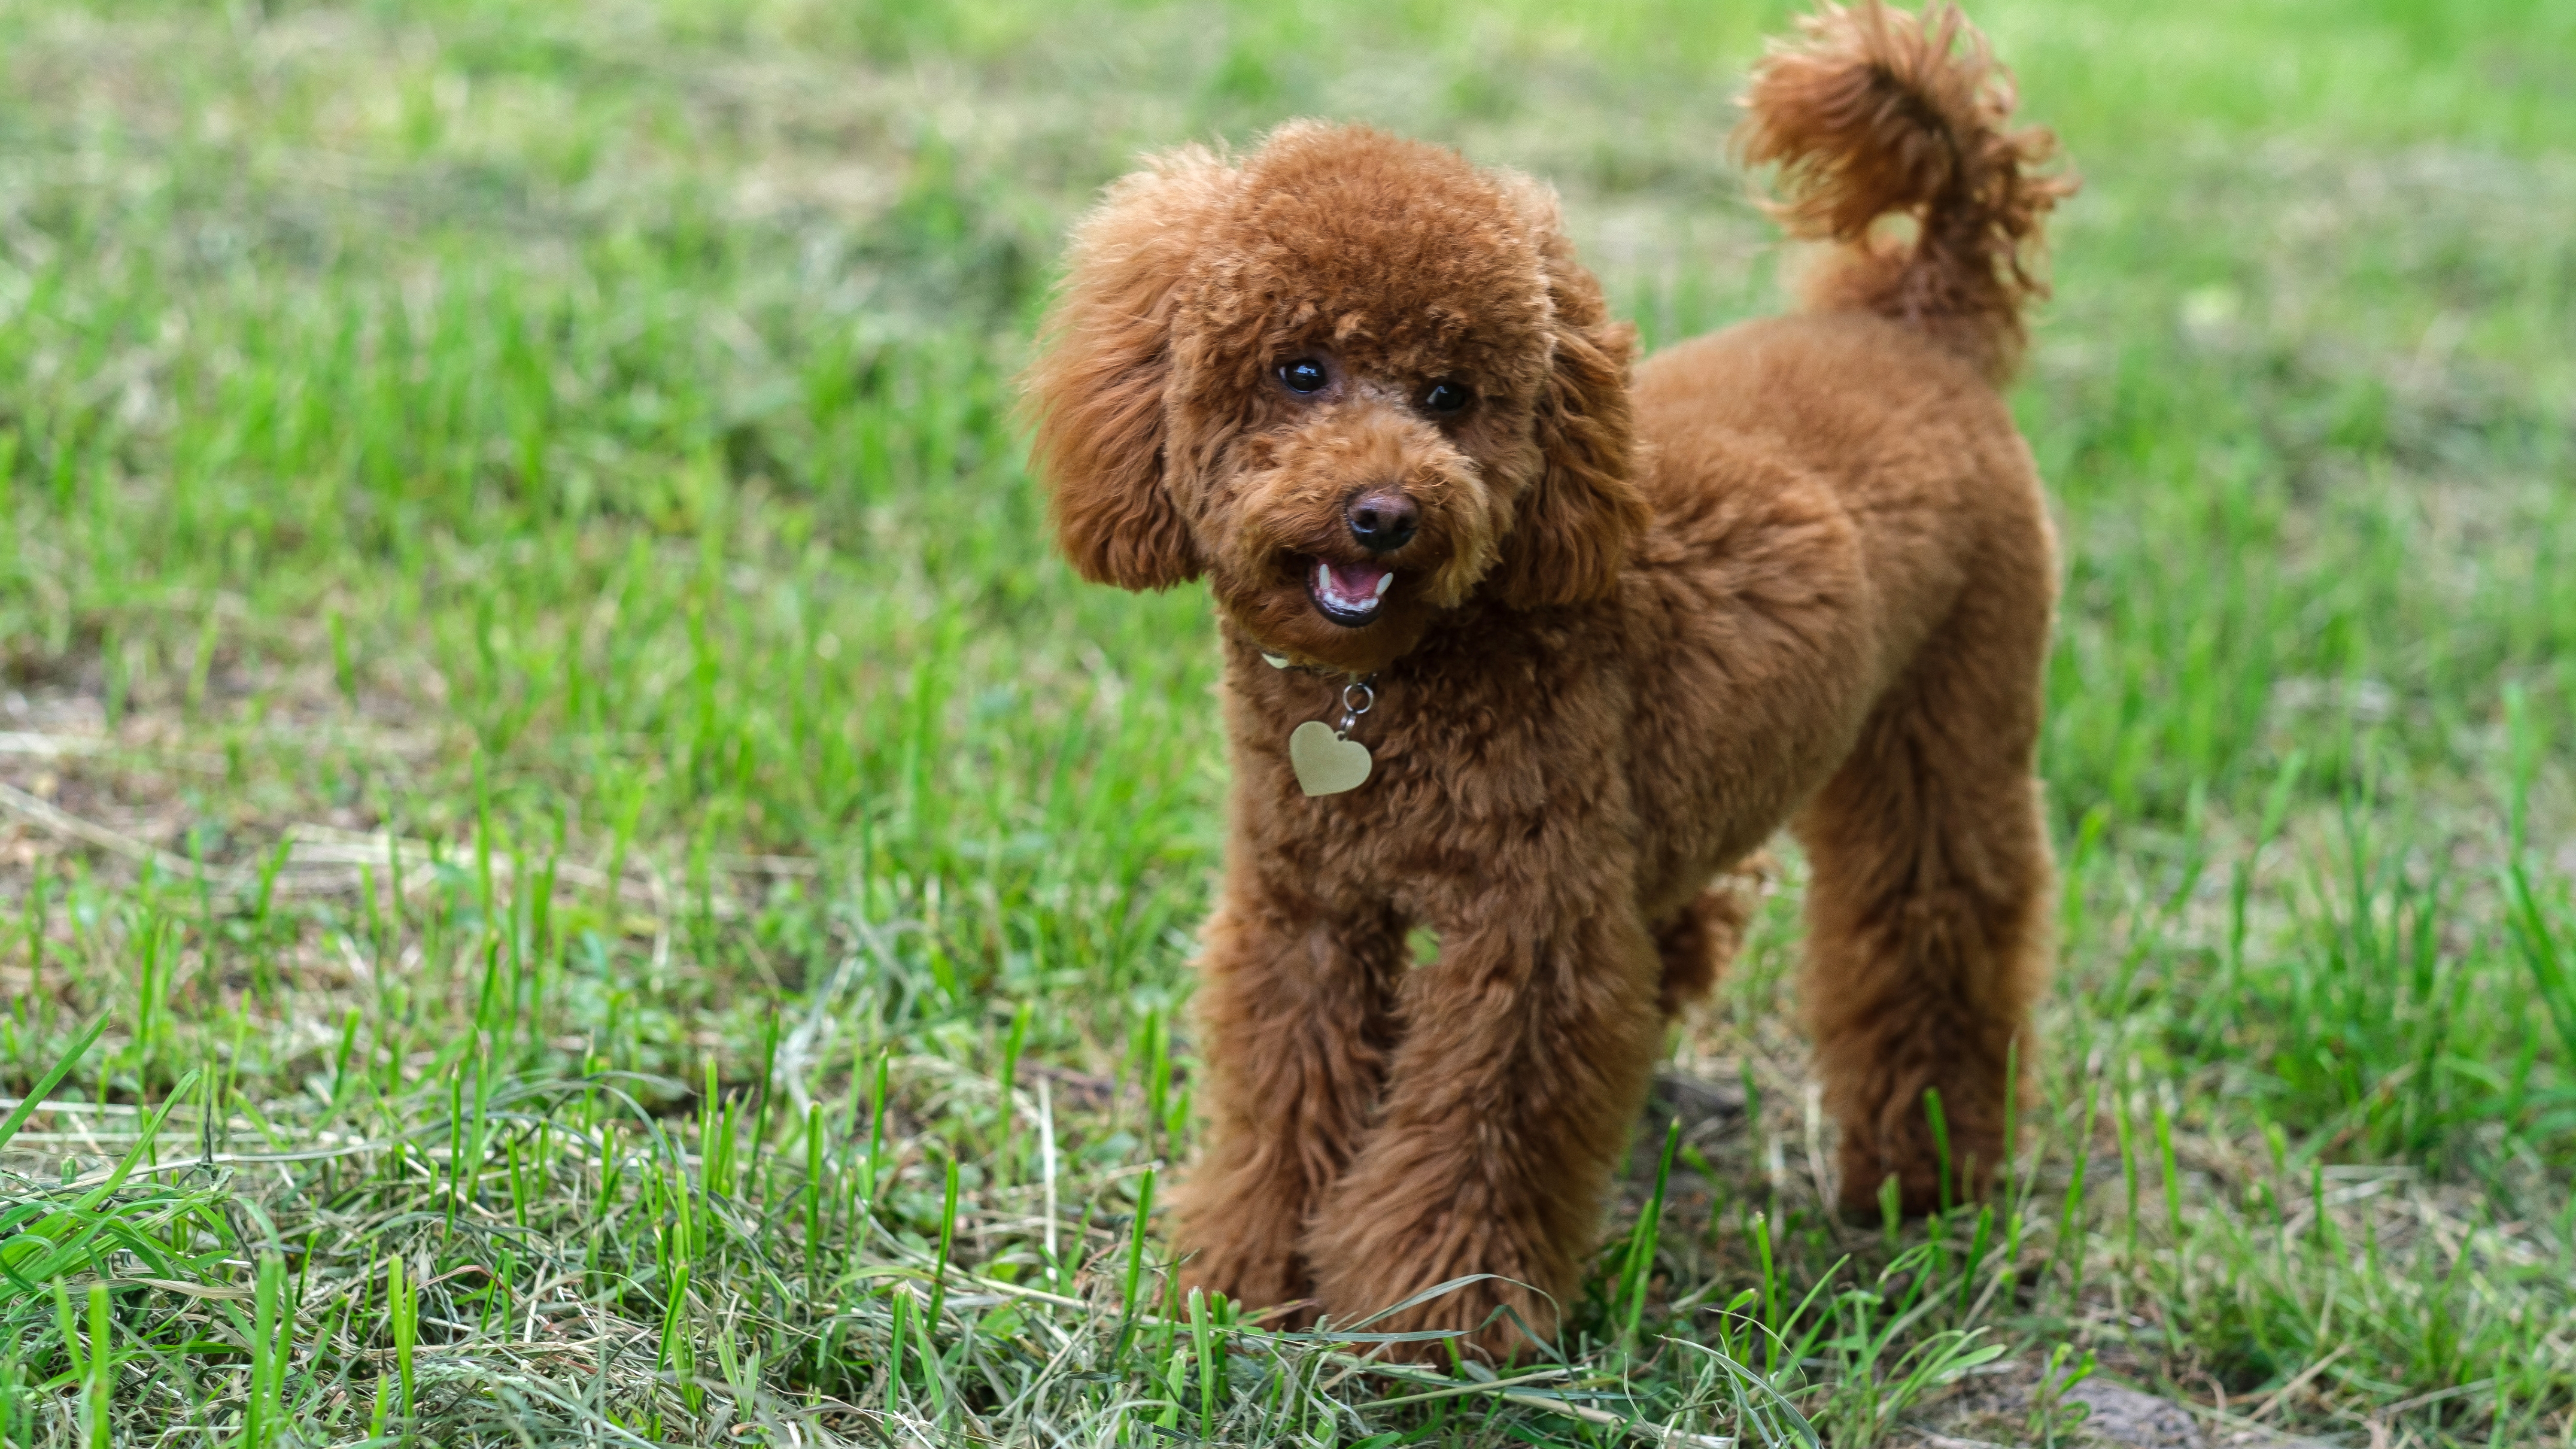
[[1572, 642]]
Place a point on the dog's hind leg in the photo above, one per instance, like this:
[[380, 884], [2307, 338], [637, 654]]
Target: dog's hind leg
[[1697, 944], [1295, 1016], [1926, 911]]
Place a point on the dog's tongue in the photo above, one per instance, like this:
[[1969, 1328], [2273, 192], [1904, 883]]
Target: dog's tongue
[[1352, 587]]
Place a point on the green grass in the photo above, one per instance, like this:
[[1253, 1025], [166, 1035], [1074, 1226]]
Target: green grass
[[630, 900]]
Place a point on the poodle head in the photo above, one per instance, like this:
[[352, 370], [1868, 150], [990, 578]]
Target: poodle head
[[1351, 380]]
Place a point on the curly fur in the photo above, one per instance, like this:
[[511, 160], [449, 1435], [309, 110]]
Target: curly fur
[[1799, 571], [1879, 114]]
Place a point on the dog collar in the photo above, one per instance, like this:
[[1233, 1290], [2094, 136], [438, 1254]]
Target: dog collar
[[1326, 759]]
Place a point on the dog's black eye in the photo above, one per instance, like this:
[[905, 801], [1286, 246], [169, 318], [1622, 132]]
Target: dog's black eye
[[1445, 397], [1303, 375]]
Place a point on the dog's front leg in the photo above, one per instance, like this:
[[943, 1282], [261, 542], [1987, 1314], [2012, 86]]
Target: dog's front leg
[[1295, 1004], [1527, 1052]]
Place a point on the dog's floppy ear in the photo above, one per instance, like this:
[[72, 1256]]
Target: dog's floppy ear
[[1578, 521], [1096, 394]]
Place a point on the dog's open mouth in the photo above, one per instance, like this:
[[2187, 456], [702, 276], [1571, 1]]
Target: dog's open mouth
[[1349, 594]]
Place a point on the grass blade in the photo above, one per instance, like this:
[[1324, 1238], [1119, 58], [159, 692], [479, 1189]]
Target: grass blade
[[53, 1077]]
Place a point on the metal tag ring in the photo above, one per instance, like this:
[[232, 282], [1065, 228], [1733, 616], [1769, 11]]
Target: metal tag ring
[[1367, 697]]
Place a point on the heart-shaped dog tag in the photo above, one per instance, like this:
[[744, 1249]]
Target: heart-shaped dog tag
[[1327, 764]]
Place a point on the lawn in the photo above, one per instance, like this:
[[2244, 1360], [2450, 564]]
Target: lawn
[[572, 870]]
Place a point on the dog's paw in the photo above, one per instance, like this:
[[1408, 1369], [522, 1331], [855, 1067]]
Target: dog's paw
[[1490, 1319], [1483, 1291], [1254, 1268]]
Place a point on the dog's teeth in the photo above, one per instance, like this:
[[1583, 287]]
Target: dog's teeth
[[1324, 576], [1384, 581]]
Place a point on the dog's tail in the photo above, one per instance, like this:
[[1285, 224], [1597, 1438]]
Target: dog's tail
[[1875, 112]]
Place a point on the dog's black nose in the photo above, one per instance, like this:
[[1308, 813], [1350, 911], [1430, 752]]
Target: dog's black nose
[[1383, 521]]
